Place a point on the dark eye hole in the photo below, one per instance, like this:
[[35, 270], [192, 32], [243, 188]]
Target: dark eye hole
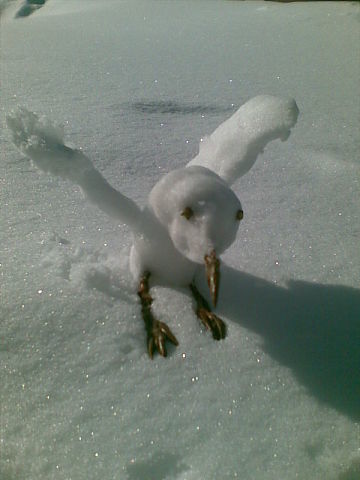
[[187, 213], [239, 215]]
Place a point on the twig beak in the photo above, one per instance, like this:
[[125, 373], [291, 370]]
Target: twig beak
[[212, 265]]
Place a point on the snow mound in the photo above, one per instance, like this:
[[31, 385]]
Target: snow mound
[[86, 268], [232, 149]]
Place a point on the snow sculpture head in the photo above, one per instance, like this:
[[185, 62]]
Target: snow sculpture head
[[199, 210], [201, 214]]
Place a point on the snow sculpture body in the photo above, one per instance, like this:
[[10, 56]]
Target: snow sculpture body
[[192, 215]]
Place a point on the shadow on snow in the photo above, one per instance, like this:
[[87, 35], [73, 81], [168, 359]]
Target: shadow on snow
[[171, 107], [311, 328], [159, 467]]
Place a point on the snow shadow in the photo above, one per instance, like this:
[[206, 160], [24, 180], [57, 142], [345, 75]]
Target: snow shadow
[[352, 473], [313, 329], [171, 107], [29, 7], [160, 467]]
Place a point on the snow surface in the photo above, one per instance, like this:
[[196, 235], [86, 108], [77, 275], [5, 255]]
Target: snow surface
[[137, 84]]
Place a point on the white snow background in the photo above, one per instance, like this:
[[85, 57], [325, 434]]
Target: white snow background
[[136, 85]]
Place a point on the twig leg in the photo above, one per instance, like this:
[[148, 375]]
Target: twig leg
[[211, 321], [157, 332]]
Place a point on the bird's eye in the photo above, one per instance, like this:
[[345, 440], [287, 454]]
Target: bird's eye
[[187, 213], [239, 215]]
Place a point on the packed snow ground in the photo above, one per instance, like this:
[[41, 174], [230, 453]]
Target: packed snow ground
[[137, 84]]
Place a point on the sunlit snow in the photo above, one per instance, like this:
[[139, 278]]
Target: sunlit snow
[[164, 239], [134, 86]]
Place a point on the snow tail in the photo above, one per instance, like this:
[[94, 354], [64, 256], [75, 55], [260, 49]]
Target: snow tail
[[231, 150], [37, 138]]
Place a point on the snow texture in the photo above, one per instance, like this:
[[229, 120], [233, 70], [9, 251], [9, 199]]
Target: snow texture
[[136, 85]]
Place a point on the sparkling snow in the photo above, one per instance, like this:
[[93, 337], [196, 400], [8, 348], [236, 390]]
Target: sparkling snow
[[136, 85]]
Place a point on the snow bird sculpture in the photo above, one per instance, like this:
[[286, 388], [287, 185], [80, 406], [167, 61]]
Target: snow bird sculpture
[[192, 215]]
